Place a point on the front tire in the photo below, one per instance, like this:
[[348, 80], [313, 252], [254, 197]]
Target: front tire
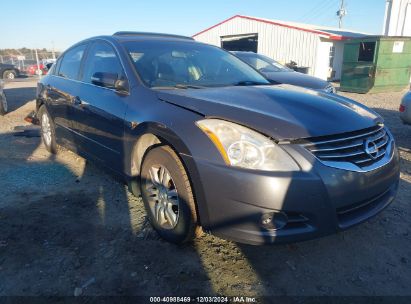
[[48, 133], [3, 104], [167, 195]]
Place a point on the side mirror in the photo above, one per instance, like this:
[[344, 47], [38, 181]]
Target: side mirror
[[107, 80], [121, 86]]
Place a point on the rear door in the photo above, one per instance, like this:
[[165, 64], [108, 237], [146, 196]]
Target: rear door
[[62, 87], [98, 114]]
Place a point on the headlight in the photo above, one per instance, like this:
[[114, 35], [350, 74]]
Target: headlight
[[243, 147]]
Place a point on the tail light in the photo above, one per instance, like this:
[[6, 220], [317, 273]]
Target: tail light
[[402, 108]]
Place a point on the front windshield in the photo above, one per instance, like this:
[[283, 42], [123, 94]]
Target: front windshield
[[263, 63], [178, 64]]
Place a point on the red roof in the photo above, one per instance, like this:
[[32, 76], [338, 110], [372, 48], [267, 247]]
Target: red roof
[[325, 33]]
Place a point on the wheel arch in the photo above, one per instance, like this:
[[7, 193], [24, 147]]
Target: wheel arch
[[151, 135], [148, 135], [145, 142]]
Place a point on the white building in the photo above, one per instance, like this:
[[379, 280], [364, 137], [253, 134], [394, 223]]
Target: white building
[[317, 47], [397, 20]]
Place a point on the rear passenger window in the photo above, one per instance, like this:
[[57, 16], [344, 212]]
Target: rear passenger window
[[70, 63], [101, 58]]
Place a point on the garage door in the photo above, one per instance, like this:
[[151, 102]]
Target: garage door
[[247, 43]]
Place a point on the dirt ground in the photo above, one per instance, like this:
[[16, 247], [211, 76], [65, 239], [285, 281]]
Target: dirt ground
[[68, 228]]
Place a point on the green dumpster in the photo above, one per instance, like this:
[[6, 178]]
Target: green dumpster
[[376, 64]]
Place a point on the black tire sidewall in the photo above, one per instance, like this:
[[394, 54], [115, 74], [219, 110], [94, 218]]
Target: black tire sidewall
[[53, 146], [181, 232]]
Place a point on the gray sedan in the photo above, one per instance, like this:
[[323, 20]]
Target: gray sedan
[[405, 108], [279, 74]]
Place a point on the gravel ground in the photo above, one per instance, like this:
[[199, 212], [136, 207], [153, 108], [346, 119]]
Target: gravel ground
[[68, 228]]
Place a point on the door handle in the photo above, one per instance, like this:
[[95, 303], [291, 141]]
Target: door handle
[[76, 100]]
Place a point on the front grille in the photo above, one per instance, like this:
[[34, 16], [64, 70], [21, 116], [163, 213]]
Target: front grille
[[362, 148], [296, 221]]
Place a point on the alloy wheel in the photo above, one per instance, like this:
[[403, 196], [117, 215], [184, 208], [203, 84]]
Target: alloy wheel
[[46, 129], [163, 197], [10, 76]]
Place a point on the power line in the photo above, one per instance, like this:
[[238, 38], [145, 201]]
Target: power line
[[312, 10], [323, 10]]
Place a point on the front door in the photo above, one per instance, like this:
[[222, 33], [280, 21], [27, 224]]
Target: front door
[[98, 114]]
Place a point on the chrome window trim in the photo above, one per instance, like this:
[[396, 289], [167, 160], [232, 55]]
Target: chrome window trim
[[89, 43], [90, 84]]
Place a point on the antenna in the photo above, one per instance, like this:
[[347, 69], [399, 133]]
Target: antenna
[[341, 13]]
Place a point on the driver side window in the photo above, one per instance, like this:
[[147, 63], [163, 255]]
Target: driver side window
[[102, 58]]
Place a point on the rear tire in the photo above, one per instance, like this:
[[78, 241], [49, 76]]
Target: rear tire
[[3, 104], [9, 74], [167, 195], [48, 133]]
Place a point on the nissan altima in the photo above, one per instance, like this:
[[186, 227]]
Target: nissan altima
[[208, 142]]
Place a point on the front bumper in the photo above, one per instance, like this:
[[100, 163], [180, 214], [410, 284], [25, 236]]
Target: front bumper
[[317, 201]]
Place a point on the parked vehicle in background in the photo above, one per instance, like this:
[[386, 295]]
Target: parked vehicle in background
[[8, 71], [34, 69], [405, 108], [3, 100], [49, 65], [276, 73], [208, 141]]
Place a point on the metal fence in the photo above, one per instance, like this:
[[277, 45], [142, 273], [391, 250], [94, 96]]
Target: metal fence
[[23, 58]]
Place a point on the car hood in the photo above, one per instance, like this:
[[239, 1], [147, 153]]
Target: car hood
[[298, 79], [282, 112]]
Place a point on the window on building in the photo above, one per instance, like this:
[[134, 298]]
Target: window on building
[[366, 52], [331, 57], [247, 43]]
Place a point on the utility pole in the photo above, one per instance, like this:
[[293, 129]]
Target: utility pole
[[341, 14], [52, 50], [38, 71]]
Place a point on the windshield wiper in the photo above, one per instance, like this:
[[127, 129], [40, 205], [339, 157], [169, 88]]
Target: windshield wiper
[[249, 83], [187, 86], [178, 86]]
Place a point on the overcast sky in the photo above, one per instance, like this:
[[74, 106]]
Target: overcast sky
[[44, 23]]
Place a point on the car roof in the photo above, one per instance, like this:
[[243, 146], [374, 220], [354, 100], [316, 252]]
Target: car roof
[[136, 36], [245, 53], [140, 36], [160, 36], [251, 54]]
